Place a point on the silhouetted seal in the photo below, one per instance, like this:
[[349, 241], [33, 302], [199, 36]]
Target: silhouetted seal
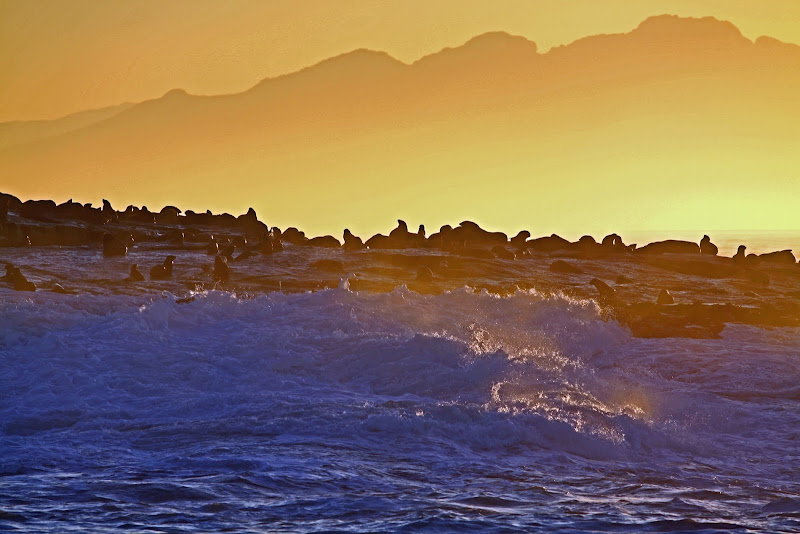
[[17, 279], [520, 241], [163, 271], [352, 242], [108, 213], [135, 275], [740, 255], [707, 247], [607, 293], [222, 273]]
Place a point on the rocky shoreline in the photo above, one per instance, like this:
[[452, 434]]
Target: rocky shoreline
[[664, 289]]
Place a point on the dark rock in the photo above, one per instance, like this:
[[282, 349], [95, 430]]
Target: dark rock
[[665, 298], [783, 257], [548, 244], [326, 241], [113, 246], [562, 267], [503, 253]]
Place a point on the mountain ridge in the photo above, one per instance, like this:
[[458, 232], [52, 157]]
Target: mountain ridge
[[495, 104]]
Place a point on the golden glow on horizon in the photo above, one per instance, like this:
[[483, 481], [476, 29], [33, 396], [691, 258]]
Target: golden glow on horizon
[[62, 56], [618, 152]]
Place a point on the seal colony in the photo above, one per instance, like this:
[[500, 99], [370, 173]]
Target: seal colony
[[664, 289]]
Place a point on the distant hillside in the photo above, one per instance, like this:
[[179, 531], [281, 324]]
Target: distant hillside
[[678, 120]]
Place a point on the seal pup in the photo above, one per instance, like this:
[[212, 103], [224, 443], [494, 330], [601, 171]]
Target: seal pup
[[163, 271], [135, 275]]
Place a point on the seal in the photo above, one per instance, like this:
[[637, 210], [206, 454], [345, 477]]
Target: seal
[[17, 279], [135, 275], [707, 247], [163, 271], [607, 293], [352, 242], [222, 273]]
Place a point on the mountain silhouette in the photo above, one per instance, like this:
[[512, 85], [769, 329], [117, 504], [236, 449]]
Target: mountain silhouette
[[675, 108]]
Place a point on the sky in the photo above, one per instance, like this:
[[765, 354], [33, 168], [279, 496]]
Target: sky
[[62, 56]]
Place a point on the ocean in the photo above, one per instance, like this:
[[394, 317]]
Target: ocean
[[339, 410]]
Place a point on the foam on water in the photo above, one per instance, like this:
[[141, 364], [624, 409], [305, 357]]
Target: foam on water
[[356, 411]]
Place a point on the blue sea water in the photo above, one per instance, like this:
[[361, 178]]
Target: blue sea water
[[345, 411]]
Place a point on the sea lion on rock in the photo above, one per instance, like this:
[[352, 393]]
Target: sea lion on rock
[[707, 247], [17, 279], [520, 241], [740, 255], [470, 234], [163, 271], [108, 213], [135, 275], [113, 246], [400, 237], [352, 242], [665, 298]]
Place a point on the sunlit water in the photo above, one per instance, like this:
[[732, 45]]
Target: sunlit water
[[338, 410]]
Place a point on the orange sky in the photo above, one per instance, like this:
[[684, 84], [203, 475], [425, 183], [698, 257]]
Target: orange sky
[[62, 56]]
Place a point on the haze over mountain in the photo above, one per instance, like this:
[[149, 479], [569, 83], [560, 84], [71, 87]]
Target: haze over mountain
[[680, 123]]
